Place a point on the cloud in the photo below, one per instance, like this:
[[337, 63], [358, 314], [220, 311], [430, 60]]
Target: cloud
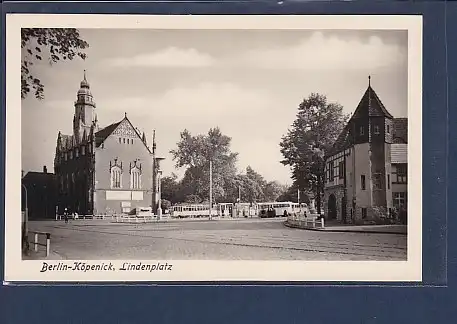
[[166, 58], [325, 53], [208, 100], [318, 52]]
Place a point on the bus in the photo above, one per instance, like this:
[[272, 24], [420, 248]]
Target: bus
[[278, 209]]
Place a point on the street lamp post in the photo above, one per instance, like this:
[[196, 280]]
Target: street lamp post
[[210, 189], [26, 219], [159, 187]]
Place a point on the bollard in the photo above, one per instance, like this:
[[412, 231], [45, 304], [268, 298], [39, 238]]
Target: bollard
[[322, 222], [36, 242], [48, 244]]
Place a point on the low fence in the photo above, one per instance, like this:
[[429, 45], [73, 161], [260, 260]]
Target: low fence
[[36, 241], [137, 219], [313, 221], [76, 217]]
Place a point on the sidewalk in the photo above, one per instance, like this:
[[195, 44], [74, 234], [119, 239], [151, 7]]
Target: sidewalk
[[378, 229], [41, 255]]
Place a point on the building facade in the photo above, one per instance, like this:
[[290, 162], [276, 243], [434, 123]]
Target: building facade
[[39, 195], [365, 171], [108, 170]]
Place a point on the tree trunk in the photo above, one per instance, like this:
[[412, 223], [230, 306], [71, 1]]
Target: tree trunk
[[318, 198]]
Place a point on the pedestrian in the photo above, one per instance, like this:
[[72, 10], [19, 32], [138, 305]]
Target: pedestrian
[[76, 215], [65, 216]]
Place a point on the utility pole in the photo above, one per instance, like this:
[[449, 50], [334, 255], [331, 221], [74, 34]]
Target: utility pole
[[210, 189]]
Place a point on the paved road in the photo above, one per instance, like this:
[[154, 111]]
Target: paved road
[[243, 239]]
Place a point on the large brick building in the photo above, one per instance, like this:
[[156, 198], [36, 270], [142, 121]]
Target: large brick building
[[366, 170], [103, 170]]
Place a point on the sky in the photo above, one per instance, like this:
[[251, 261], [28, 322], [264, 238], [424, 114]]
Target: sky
[[248, 83]]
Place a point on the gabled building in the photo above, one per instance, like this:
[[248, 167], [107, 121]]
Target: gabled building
[[103, 170], [365, 171]]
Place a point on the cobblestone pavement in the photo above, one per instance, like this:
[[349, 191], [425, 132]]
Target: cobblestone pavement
[[243, 239]]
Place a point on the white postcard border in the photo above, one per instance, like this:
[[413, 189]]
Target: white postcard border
[[18, 270]]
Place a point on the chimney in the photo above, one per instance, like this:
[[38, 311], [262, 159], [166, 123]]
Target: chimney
[[45, 169]]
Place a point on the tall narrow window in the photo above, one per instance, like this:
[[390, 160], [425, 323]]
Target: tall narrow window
[[364, 213], [135, 178], [377, 181], [388, 181], [362, 181], [362, 131], [120, 140], [388, 129], [402, 170], [331, 172], [341, 170], [116, 177]]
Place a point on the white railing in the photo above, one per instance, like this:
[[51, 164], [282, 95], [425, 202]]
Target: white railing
[[136, 219], [71, 217], [313, 220], [37, 243]]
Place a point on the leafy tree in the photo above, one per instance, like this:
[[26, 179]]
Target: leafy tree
[[165, 204], [192, 199], [291, 194], [272, 191], [53, 44], [312, 134], [170, 188], [195, 153]]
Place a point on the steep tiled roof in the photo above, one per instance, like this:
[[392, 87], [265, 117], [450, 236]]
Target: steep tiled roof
[[371, 105], [38, 177], [102, 134], [400, 130], [399, 153]]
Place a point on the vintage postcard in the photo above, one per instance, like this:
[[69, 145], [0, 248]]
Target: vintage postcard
[[213, 148]]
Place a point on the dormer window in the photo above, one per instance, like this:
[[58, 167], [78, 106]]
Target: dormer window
[[362, 131], [376, 129], [388, 129]]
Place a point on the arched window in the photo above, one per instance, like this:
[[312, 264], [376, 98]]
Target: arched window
[[135, 178], [116, 177]]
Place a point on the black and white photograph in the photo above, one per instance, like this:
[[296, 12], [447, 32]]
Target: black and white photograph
[[213, 148]]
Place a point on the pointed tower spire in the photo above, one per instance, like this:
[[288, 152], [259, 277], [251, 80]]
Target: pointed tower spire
[[85, 76], [369, 80]]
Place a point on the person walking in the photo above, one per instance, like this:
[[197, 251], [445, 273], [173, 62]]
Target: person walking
[[65, 216]]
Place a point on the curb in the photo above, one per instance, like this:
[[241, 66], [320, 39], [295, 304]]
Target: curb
[[340, 230]]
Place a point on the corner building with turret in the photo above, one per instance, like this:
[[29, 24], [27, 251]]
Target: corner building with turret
[[108, 170], [366, 169]]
